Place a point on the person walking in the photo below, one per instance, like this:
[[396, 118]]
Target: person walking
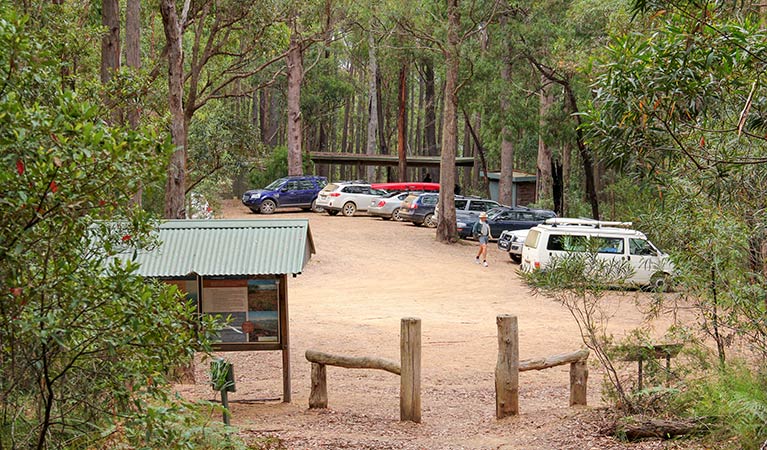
[[482, 232]]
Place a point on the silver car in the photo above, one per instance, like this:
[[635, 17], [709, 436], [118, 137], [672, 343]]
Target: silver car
[[347, 198], [387, 206]]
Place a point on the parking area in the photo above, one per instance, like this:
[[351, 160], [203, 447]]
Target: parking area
[[368, 274]]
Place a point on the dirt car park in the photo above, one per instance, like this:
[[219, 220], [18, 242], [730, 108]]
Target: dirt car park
[[367, 274]]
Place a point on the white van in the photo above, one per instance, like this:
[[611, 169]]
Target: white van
[[616, 240]]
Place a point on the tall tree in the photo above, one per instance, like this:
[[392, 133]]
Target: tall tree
[[506, 182], [402, 123], [295, 64], [446, 222], [175, 186], [372, 100]]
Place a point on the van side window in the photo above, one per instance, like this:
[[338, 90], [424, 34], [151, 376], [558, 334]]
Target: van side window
[[460, 204], [565, 242], [640, 247], [609, 245]]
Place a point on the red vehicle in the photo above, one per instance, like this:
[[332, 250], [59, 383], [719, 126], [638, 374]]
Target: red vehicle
[[405, 187]]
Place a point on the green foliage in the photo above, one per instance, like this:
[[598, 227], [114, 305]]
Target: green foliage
[[275, 166], [734, 400], [85, 344]]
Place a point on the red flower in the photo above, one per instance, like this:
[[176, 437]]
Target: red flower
[[126, 238], [20, 166], [102, 203], [16, 291], [54, 187]]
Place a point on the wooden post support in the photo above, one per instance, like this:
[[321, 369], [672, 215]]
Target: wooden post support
[[318, 398], [410, 363], [579, 375], [507, 367]]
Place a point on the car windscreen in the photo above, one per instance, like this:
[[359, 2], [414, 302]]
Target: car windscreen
[[494, 212], [274, 184]]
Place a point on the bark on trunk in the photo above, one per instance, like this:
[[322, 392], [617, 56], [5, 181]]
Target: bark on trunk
[[133, 61], [544, 181], [372, 104], [506, 182], [175, 186], [110, 48], [295, 77], [430, 115], [446, 226], [110, 42], [402, 124]]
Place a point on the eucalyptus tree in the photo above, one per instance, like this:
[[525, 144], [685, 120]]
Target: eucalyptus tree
[[443, 30], [682, 110], [230, 41]]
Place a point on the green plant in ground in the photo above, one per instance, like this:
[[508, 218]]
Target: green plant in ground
[[734, 399], [579, 281]]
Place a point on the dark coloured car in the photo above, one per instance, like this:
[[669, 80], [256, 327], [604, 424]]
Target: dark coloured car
[[299, 192], [505, 218], [419, 209]]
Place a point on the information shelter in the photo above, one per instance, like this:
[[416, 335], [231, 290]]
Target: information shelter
[[237, 270]]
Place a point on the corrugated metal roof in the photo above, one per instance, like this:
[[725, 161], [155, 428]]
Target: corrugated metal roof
[[228, 247]]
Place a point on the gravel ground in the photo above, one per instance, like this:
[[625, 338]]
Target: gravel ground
[[367, 274]]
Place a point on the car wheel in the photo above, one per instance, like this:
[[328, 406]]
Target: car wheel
[[395, 215], [516, 258], [430, 221], [660, 282], [349, 209], [331, 212], [315, 208], [268, 206]]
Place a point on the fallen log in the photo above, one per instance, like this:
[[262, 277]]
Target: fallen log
[[654, 428], [352, 362], [553, 361]]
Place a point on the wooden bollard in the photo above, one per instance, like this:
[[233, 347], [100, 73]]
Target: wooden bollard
[[318, 398], [507, 368], [410, 364], [579, 375]]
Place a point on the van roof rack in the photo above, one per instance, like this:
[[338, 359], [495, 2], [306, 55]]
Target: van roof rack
[[585, 222]]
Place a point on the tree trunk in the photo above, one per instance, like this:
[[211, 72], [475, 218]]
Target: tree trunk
[[110, 46], [430, 115], [110, 41], [295, 77], [544, 181], [175, 186], [446, 225], [567, 150], [133, 61], [506, 182], [372, 103], [402, 123]]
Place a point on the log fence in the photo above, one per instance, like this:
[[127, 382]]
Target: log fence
[[409, 370], [508, 367]]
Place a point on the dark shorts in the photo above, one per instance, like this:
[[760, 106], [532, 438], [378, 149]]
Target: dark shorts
[[483, 240]]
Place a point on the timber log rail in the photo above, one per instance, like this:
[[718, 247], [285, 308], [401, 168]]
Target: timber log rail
[[508, 367], [409, 370]]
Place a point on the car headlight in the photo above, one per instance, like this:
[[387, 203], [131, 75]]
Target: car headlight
[[255, 195], [461, 225]]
